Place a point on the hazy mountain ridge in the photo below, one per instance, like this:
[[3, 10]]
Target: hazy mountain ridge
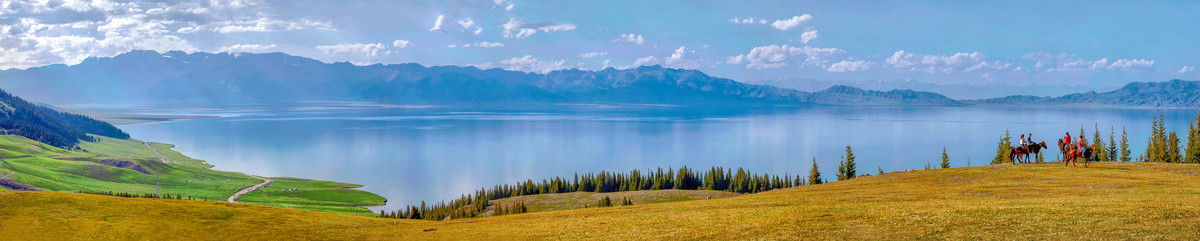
[[1173, 93], [230, 78]]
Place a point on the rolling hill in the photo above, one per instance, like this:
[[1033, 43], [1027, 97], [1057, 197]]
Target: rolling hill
[[50, 126], [998, 202]]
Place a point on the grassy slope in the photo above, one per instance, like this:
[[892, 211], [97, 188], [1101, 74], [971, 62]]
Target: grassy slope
[[577, 200], [1109, 201], [314, 195], [50, 168]]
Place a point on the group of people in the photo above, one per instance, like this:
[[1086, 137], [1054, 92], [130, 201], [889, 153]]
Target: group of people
[[1026, 140], [1077, 144]]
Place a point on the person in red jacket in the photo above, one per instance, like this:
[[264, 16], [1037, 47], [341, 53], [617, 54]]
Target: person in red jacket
[[1067, 140]]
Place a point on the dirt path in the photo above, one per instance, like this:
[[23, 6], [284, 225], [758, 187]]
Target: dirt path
[[161, 157], [244, 191]]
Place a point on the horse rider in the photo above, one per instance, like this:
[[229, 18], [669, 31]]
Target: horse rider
[[1022, 140], [1081, 145], [1029, 139], [1068, 140]]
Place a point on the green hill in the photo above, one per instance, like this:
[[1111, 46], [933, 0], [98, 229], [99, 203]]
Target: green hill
[[1006, 202]]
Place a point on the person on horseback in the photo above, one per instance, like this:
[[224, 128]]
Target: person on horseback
[[1022, 140], [1029, 139], [1068, 139], [1081, 144]]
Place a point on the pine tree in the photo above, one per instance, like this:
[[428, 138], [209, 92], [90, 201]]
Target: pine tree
[[846, 170], [1003, 150], [814, 176], [1101, 152], [1192, 153], [1112, 145], [1173, 154], [1156, 147], [1125, 146], [880, 170], [604, 202], [945, 159]]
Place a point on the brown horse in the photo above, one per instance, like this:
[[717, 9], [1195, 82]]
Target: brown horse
[[1085, 153], [1035, 149]]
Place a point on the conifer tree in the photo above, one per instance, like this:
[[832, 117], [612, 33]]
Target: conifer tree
[[814, 176], [1101, 152], [945, 159], [604, 202], [1125, 145], [846, 170], [1173, 154], [1112, 145], [880, 170], [1003, 150], [1192, 152]]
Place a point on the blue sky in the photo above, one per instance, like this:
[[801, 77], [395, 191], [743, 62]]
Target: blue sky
[[1095, 44]]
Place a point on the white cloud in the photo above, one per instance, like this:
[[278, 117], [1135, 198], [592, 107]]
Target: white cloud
[[1064, 62], [678, 59], [557, 28], [775, 56], [808, 36], [644, 61], [846, 65], [263, 24], [481, 44], [516, 28], [795, 21], [248, 48], [400, 43], [748, 20], [437, 24], [943, 63], [527, 63], [629, 37], [592, 54], [1186, 69], [371, 50], [466, 23]]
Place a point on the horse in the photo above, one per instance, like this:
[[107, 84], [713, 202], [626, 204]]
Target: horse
[[1085, 153], [1025, 150]]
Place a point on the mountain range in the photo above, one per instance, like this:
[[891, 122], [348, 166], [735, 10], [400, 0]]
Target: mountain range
[[217, 79]]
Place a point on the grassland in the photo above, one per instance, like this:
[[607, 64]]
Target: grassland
[[1001, 202], [127, 165], [578, 200], [314, 195]]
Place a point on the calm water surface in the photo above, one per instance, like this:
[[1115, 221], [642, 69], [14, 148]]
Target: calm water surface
[[413, 154]]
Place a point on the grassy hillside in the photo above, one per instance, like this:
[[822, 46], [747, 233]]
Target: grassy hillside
[[314, 195], [577, 200], [1042, 201], [127, 165]]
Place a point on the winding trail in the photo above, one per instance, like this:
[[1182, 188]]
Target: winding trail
[[244, 191]]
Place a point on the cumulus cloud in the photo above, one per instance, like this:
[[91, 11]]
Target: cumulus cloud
[[1186, 69], [747, 20], [644, 61], [481, 44], [517, 28], [678, 59], [795, 21], [631, 38], [847, 65], [469, 25], [372, 50], [775, 56], [592, 54], [933, 63], [1063, 62], [248, 48], [808, 36], [437, 24], [400, 43], [527, 63]]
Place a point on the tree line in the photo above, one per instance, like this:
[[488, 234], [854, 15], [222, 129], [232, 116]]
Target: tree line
[[684, 178], [133, 195]]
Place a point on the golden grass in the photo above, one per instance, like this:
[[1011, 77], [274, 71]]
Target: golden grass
[[577, 200], [1002, 202]]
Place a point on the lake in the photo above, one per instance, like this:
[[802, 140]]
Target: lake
[[414, 153]]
